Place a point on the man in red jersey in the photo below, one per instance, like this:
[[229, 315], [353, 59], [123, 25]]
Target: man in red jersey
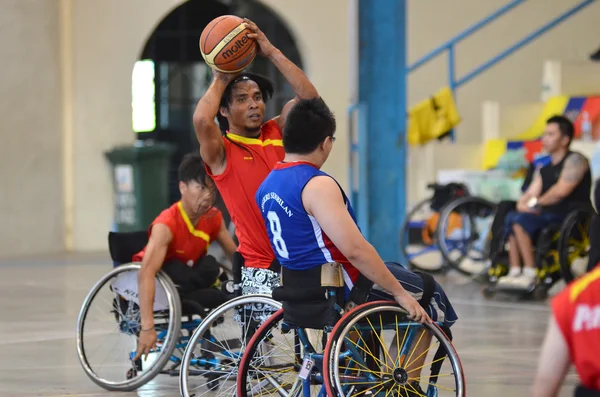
[[573, 337], [178, 243], [240, 154]]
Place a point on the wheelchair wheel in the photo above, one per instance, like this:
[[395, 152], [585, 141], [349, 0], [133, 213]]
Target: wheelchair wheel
[[358, 361], [121, 316], [574, 245], [463, 234], [420, 254], [274, 359], [211, 358]]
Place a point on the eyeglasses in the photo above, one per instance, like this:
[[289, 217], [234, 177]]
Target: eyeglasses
[[332, 139]]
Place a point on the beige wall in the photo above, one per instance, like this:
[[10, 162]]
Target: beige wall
[[108, 37], [103, 61], [30, 128], [102, 40], [516, 79]]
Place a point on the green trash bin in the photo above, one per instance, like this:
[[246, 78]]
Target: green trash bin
[[140, 183]]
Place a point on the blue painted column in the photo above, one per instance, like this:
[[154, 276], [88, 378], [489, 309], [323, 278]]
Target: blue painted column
[[382, 93]]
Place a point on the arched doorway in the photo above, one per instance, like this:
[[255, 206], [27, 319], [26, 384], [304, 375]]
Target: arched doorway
[[171, 75]]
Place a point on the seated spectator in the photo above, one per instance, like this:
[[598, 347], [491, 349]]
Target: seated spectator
[[556, 189]]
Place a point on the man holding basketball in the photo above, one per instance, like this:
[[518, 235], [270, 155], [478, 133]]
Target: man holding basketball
[[241, 156]]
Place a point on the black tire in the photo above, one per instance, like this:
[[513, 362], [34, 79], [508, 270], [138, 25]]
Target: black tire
[[404, 238], [488, 292], [575, 226], [469, 205]]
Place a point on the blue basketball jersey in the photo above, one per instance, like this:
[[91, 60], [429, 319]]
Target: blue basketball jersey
[[296, 237]]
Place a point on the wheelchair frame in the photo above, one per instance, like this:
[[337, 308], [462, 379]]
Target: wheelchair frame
[[409, 223], [316, 368], [169, 339], [553, 242], [190, 362]]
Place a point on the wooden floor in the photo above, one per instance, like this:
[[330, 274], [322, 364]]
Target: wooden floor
[[498, 341]]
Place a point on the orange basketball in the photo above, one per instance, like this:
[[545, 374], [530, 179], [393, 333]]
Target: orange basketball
[[225, 45]]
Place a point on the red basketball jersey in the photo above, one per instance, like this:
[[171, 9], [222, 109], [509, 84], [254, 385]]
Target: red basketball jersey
[[249, 161], [189, 243], [577, 313]]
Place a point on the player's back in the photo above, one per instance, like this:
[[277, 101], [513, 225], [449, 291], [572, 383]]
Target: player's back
[[577, 313], [296, 236]]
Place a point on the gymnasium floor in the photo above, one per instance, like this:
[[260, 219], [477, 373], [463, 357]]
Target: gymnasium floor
[[498, 341]]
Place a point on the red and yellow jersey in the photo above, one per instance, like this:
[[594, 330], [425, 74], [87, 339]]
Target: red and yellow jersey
[[577, 313], [249, 161], [189, 243]]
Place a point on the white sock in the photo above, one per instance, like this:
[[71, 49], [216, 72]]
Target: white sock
[[514, 271], [529, 272]]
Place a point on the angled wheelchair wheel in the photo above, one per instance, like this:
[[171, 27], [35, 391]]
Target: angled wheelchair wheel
[[211, 359], [421, 254], [375, 349], [109, 324], [574, 245], [463, 234], [275, 361]]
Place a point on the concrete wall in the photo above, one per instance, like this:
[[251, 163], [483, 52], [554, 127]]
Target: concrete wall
[[101, 40], [31, 198]]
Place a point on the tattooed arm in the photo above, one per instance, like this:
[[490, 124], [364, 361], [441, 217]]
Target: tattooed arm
[[572, 173]]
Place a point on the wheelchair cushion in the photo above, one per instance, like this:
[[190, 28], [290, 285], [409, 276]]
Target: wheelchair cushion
[[123, 245]]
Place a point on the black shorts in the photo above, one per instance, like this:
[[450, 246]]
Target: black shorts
[[195, 283]]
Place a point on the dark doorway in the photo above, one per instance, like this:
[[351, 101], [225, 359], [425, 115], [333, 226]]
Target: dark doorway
[[174, 71]]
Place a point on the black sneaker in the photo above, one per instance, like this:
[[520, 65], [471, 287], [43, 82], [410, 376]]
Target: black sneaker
[[595, 56]]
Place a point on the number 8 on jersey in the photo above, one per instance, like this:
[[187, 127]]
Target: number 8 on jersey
[[278, 242]]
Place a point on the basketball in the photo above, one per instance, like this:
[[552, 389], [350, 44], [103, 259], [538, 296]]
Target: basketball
[[225, 45]]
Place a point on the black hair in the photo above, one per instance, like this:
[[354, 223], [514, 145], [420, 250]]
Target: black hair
[[565, 126], [308, 123], [191, 169], [264, 85]]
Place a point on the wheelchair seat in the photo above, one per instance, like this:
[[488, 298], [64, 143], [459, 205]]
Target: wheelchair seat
[[124, 245]]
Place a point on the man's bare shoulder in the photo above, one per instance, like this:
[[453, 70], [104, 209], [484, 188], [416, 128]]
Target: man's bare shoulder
[[577, 160], [576, 165], [321, 190]]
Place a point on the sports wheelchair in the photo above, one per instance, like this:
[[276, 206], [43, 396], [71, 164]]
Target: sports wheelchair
[[317, 345], [419, 241], [175, 319], [561, 249]]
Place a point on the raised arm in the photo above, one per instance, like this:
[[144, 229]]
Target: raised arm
[[571, 175], [156, 250], [323, 199], [301, 85], [208, 134]]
